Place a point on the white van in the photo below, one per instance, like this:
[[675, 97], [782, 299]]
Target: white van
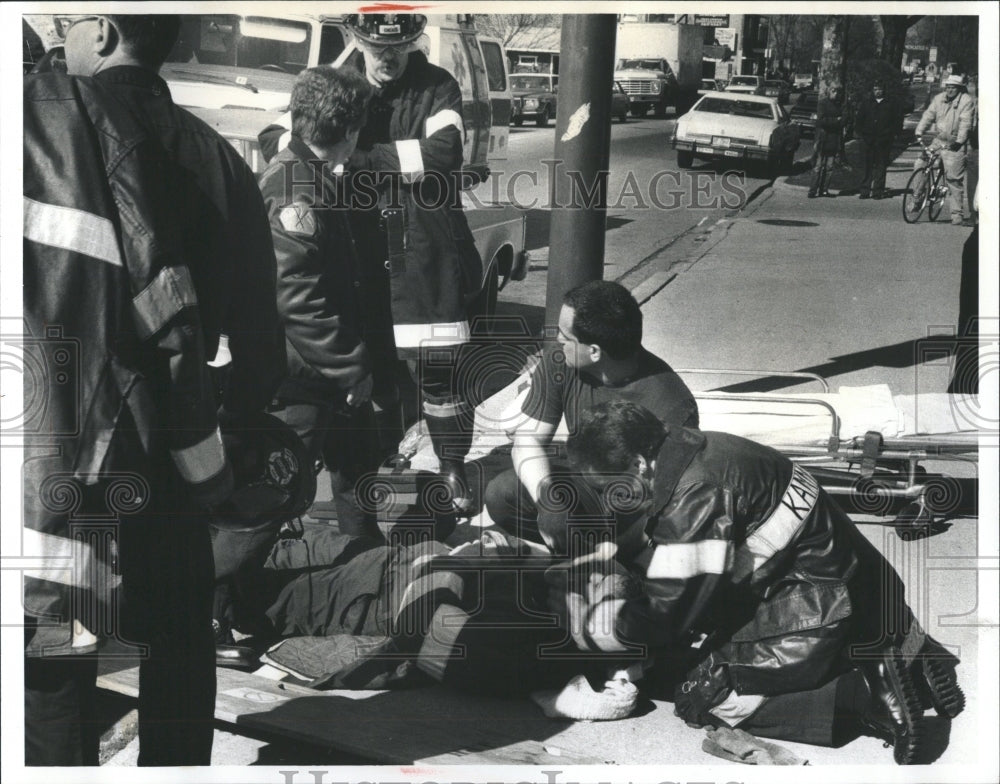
[[236, 72]]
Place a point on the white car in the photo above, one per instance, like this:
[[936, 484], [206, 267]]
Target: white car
[[802, 81], [754, 85], [737, 127]]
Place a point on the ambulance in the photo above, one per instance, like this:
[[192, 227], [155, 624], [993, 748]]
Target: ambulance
[[236, 73]]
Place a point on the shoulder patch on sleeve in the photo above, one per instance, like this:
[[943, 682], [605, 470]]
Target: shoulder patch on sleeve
[[298, 218]]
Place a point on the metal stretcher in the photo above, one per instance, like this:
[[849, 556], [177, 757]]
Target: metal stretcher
[[863, 445]]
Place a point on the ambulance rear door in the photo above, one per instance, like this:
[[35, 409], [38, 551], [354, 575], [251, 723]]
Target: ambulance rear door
[[500, 97]]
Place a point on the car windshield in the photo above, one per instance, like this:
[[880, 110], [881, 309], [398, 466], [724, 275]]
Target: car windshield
[[745, 80], [717, 105], [261, 42], [647, 64], [808, 100], [529, 82]]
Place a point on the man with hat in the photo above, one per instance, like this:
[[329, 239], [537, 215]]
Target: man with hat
[[421, 268], [951, 113], [876, 124]]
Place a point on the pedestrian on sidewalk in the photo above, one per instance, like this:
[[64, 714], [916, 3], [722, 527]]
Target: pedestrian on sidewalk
[[828, 142], [876, 124], [952, 114]]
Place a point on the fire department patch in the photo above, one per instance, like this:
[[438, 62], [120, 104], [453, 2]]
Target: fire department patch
[[298, 218]]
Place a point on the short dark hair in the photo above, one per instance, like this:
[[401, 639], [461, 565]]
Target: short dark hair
[[147, 37], [328, 103], [611, 434], [606, 314]]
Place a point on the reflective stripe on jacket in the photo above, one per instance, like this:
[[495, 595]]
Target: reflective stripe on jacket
[[112, 325], [745, 546]]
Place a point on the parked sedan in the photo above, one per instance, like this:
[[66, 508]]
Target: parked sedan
[[804, 111], [752, 85], [777, 88], [745, 128], [533, 98], [708, 86]]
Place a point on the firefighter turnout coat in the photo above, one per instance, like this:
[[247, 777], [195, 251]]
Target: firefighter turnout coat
[[744, 546], [119, 396], [409, 223]]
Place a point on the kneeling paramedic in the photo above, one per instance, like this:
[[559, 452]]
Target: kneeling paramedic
[[808, 636]]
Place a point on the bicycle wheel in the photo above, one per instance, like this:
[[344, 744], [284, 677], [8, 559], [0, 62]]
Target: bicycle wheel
[[915, 195], [936, 194]]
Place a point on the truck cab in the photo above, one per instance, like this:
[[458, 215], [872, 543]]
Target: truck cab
[[236, 72], [649, 83], [659, 65]]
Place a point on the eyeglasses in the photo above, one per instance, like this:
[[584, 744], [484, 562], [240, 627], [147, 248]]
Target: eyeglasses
[[65, 23]]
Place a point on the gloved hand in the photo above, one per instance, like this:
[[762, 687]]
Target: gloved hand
[[705, 687]]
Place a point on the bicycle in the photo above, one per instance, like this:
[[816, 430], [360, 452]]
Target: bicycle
[[926, 187]]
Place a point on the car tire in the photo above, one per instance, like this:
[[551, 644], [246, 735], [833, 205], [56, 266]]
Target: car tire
[[543, 118], [685, 159], [638, 111], [518, 122], [660, 110], [623, 117]]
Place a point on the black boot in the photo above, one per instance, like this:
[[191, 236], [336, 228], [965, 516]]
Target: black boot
[[937, 683], [894, 712], [228, 653], [450, 429]]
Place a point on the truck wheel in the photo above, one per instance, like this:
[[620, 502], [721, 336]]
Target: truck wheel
[[623, 117], [543, 118], [638, 111], [685, 159], [518, 122], [660, 110]]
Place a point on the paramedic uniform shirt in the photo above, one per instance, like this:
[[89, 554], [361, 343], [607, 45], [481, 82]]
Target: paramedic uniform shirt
[[557, 390]]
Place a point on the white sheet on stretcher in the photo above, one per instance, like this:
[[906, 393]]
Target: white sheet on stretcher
[[775, 421]]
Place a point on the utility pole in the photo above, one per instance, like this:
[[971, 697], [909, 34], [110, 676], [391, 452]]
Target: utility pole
[[578, 191]]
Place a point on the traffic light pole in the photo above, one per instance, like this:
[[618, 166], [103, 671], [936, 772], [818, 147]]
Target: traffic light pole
[[578, 191]]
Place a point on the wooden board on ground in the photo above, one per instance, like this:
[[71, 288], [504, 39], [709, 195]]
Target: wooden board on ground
[[428, 725]]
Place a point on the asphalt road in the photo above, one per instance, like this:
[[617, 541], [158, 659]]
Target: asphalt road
[[651, 201]]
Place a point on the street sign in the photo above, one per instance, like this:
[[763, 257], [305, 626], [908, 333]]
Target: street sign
[[932, 54], [726, 36], [711, 20]]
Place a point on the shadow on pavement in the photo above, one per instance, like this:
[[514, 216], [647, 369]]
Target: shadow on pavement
[[847, 179], [898, 355], [538, 225]]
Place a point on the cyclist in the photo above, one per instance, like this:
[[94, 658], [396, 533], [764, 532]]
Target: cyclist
[[951, 114]]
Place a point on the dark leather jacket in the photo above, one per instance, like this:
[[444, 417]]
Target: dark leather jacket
[[318, 277], [415, 133], [746, 547], [225, 237], [878, 122], [114, 325]]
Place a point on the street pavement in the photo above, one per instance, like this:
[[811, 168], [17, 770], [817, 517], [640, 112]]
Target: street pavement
[[845, 288]]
